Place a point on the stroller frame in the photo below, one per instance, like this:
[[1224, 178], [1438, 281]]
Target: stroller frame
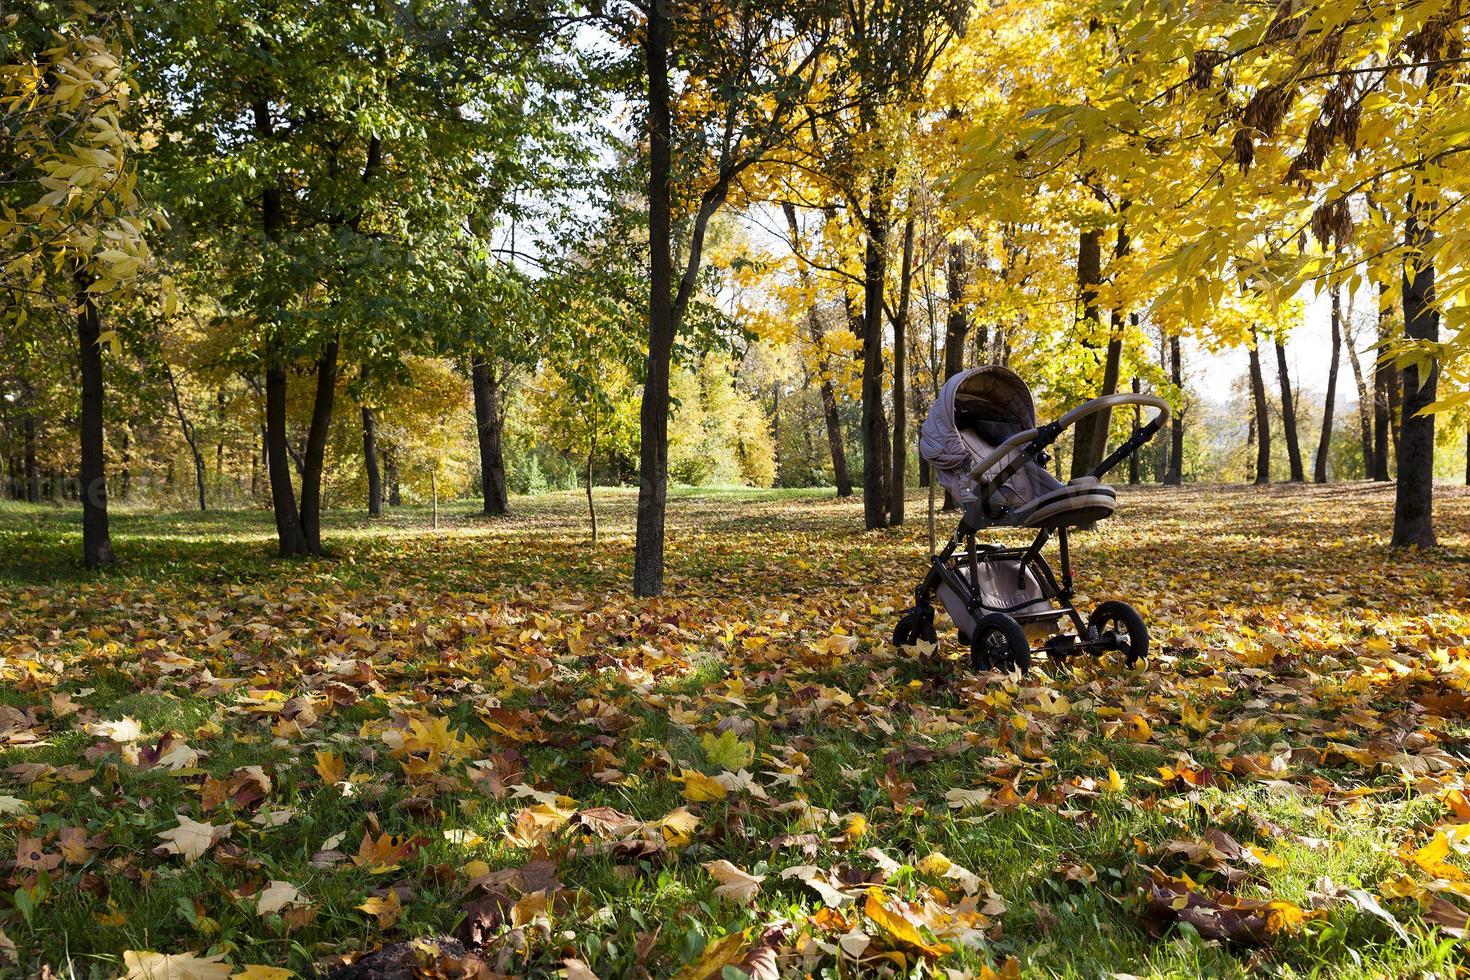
[[964, 551]]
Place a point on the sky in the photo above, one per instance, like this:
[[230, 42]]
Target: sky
[[1308, 355]]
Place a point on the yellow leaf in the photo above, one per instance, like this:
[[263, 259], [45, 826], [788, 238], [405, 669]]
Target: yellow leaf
[[254, 971], [331, 768], [147, 965], [716, 956], [386, 910], [898, 928], [699, 788]]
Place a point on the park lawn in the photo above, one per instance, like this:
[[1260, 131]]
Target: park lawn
[[477, 731]]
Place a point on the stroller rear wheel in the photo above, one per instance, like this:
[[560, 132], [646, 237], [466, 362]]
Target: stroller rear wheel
[[1118, 626], [999, 643]]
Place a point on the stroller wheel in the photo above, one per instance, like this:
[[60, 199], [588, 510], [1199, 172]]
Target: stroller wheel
[[1118, 626], [1000, 643], [916, 625]]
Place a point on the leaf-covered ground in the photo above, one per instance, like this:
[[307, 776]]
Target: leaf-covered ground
[[473, 748]]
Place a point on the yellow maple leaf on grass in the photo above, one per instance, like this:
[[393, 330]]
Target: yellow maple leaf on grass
[[331, 768], [386, 909], [699, 788], [143, 964], [899, 929]]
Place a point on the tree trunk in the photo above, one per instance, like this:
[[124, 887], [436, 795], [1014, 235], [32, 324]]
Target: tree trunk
[[1089, 276], [291, 538], [1260, 416], [840, 475], [488, 424], [1413, 506], [434, 494], [874, 425], [390, 473], [591, 507], [956, 327], [900, 366], [1383, 383], [1134, 475], [314, 457], [96, 540], [1175, 476], [190, 435], [1288, 417], [1324, 444], [370, 459], [1365, 405], [32, 472], [653, 453]]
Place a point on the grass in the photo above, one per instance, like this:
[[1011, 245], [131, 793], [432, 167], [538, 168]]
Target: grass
[[1316, 679]]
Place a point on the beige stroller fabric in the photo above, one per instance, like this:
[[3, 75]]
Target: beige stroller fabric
[[1000, 402]]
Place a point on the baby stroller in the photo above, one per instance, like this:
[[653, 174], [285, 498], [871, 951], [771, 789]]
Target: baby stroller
[[982, 439]]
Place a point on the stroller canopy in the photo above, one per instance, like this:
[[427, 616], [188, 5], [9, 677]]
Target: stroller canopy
[[992, 402]]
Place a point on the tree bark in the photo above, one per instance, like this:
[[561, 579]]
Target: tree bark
[[1384, 381], [1413, 507], [1175, 476], [390, 473], [874, 425], [290, 537], [1365, 405], [1260, 416], [1324, 444], [488, 425], [190, 435], [370, 460], [316, 447], [96, 540], [1089, 276], [956, 327], [900, 366], [1134, 474], [840, 475], [32, 472], [1288, 417], [653, 454], [591, 507]]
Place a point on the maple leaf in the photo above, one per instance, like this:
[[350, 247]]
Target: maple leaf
[[727, 750], [699, 788], [716, 957], [382, 855], [386, 909], [735, 885], [898, 928], [275, 896], [255, 971], [148, 965], [121, 731], [30, 853], [190, 839], [331, 768]]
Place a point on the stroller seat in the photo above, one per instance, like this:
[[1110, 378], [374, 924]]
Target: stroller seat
[[1037, 499]]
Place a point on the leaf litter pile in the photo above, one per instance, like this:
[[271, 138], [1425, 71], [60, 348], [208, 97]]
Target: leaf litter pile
[[470, 753]]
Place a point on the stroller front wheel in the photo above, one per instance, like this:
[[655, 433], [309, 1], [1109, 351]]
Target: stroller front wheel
[[999, 643], [1118, 626], [915, 626]]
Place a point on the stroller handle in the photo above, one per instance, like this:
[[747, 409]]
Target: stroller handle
[[1033, 441]]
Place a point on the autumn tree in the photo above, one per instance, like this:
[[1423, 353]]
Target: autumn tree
[[72, 227]]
